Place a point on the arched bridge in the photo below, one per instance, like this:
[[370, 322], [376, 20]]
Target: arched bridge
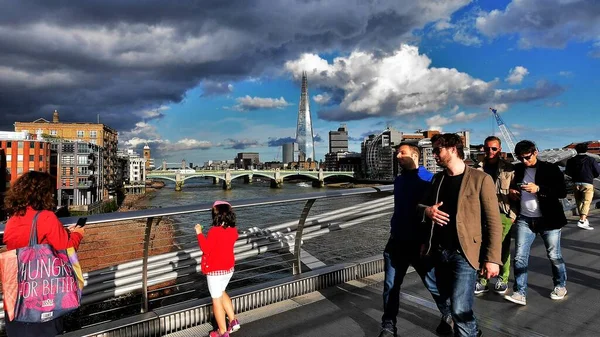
[[276, 176]]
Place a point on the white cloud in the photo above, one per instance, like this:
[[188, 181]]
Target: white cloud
[[464, 117], [401, 83], [443, 25], [248, 103], [322, 99], [437, 122], [516, 75], [565, 73], [150, 114]]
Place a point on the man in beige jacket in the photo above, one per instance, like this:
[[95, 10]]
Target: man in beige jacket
[[464, 228]]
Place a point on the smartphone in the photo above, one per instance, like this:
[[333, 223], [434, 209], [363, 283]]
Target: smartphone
[[81, 222], [521, 184]]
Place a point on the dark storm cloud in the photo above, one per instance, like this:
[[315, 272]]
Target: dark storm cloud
[[117, 57], [238, 144], [275, 142]]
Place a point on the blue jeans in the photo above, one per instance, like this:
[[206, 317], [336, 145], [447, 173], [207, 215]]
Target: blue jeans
[[524, 239], [455, 280], [397, 257]]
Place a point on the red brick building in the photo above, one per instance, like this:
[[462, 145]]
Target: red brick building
[[593, 146], [20, 152]]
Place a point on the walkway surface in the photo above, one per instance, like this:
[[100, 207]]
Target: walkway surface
[[354, 308]]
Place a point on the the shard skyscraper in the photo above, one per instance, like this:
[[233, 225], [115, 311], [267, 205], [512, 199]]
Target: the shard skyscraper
[[304, 130]]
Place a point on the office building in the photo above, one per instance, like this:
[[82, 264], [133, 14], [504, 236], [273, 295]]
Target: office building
[[338, 140], [247, 160], [287, 153]]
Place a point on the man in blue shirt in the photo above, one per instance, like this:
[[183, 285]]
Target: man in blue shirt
[[404, 245]]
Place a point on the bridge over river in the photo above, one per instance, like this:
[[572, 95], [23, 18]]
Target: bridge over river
[[276, 176], [317, 272]]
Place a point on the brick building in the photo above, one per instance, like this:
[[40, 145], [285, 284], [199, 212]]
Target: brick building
[[93, 133]]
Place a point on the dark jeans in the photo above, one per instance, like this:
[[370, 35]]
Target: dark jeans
[[398, 256], [455, 279]]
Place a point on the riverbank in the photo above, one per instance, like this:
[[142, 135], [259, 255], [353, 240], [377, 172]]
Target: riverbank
[[350, 185]]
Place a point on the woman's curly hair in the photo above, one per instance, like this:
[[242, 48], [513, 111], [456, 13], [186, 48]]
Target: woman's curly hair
[[35, 189], [223, 215]]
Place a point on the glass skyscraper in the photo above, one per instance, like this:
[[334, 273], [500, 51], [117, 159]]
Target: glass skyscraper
[[304, 130]]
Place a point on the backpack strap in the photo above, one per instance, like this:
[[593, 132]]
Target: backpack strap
[[33, 236]]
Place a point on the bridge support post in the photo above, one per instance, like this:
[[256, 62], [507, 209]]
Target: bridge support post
[[227, 180], [216, 180], [248, 179], [178, 182], [321, 181], [277, 181]]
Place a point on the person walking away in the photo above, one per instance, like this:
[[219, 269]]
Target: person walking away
[[461, 211], [536, 188], [218, 262], [502, 173], [583, 169], [403, 247], [33, 192]]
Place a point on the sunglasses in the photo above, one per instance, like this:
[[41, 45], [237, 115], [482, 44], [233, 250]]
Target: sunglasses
[[521, 158], [487, 148]]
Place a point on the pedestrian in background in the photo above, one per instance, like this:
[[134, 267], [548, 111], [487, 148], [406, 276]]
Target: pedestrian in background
[[218, 262], [583, 169], [502, 173]]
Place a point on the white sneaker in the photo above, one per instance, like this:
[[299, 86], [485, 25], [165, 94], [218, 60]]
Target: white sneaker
[[584, 224]]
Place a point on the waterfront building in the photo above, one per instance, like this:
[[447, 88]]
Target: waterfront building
[[593, 146], [93, 133], [219, 165], [304, 130], [287, 153], [378, 153], [80, 183], [134, 172], [247, 160], [333, 161], [338, 140]]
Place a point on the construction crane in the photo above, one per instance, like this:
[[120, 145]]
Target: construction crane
[[506, 134]]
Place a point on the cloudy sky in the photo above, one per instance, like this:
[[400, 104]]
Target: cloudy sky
[[200, 80]]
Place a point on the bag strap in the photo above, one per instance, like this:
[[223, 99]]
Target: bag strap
[[33, 236]]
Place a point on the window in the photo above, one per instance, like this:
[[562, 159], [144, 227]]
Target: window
[[68, 147], [93, 141], [32, 145], [80, 133], [67, 159], [19, 170], [8, 145], [82, 160], [41, 158], [20, 145], [52, 132], [82, 170], [93, 134], [31, 157], [19, 157], [8, 157]]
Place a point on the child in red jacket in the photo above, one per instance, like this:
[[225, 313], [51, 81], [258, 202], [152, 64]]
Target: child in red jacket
[[218, 263]]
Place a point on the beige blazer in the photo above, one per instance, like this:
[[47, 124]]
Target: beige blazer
[[478, 223]]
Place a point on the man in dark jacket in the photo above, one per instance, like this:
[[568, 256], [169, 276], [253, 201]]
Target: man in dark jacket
[[403, 247], [583, 169], [536, 189]]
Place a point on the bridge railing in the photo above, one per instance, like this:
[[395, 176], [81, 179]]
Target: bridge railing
[[138, 261]]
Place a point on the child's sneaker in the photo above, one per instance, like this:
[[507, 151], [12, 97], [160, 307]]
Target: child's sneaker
[[217, 334], [233, 326]]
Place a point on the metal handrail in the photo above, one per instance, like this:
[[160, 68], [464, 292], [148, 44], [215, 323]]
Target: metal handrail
[[136, 275]]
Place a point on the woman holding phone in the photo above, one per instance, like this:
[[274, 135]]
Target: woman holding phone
[[31, 194]]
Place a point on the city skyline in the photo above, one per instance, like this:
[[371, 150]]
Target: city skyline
[[196, 83]]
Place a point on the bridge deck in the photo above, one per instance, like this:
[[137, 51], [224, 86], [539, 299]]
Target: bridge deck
[[354, 308]]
